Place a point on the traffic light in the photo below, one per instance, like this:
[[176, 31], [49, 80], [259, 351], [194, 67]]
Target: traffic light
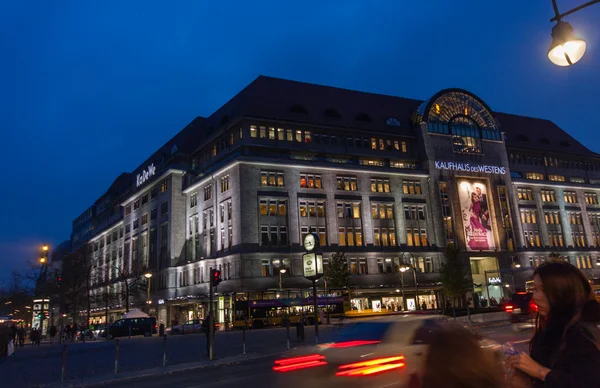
[[59, 281], [215, 277]]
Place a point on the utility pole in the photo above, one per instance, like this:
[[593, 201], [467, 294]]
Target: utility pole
[[43, 278], [215, 279]]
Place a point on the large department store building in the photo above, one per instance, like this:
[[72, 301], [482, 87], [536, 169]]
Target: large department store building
[[387, 180]]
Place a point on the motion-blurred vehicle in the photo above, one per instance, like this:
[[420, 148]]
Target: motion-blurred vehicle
[[132, 326], [192, 326], [522, 311], [384, 352]]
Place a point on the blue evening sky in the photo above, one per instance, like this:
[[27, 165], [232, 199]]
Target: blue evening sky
[[89, 89]]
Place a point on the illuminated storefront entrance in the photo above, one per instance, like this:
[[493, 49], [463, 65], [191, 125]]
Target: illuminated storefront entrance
[[487, 284]]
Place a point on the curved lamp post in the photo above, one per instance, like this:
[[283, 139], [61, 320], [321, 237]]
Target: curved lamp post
[[566, 49], [406, 267], [281, 272], [148, 276]]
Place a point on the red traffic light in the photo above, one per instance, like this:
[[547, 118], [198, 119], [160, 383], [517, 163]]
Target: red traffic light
[[215, 277]]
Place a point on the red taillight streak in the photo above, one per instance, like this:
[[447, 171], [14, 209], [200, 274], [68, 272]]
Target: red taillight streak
[[295, 363], [348, 344], [301, 365], [370, 367], [509, 307]]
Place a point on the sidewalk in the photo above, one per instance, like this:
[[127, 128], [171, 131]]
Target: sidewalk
[[112, 378]]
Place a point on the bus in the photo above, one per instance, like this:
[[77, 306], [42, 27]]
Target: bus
[[258, 313]]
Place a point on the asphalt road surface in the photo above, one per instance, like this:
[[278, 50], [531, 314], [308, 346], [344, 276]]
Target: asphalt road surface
[[35, 366], [257, 372]]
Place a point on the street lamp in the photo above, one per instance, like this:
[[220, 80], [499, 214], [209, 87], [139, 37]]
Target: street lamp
[[42, 281], [406, 267], [566, 49], [516, 263], [148, 276], [281, 272]]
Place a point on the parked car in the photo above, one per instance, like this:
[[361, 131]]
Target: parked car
[[193, 326], [522, 311], [132, 326]]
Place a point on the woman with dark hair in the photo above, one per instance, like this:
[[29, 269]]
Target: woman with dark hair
[[455, 359], [564, 349]]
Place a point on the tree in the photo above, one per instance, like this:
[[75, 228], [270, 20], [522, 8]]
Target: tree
[[454, 276], [132, 285], [337, 274], [76, 286]]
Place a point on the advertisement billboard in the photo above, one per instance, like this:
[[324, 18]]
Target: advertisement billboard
[[474, 207]]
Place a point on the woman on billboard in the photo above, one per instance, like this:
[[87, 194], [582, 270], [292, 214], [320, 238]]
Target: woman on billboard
[[478, 240]]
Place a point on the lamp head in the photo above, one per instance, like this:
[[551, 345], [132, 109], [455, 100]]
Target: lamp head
[[148, 275], [283, 270], [566, 49]]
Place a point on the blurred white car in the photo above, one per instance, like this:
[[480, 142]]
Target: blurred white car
[[387, 352], [193, 326]]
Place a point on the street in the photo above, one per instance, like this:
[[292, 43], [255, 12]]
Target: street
[[93, 362], [34, 366], [258, 372]]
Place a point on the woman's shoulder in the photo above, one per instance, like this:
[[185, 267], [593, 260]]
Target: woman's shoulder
[[583, 336]]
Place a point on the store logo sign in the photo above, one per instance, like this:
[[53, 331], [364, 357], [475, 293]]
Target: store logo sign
[[145, 175], [495, 280], [470, 167]]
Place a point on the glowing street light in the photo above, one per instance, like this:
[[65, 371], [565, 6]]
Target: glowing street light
[[281, 272], [566, 49], [148, 276]]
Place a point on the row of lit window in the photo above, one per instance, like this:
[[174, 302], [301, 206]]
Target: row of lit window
[[356, 266], [537, 176], [164, 186], [526, 194], [552, 162], [346, 183], [305, 136]]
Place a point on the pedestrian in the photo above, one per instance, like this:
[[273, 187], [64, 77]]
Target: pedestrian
[[74, 332], [68, 333], [455, 359], [52, 333], [206, 325], [21, 335], [13, 332], [564, 349]]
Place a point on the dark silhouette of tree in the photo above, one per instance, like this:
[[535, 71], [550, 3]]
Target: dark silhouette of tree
[[132, 285], [337, 274], [454, 275]]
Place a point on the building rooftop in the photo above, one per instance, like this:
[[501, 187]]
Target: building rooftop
[[294, 101]]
